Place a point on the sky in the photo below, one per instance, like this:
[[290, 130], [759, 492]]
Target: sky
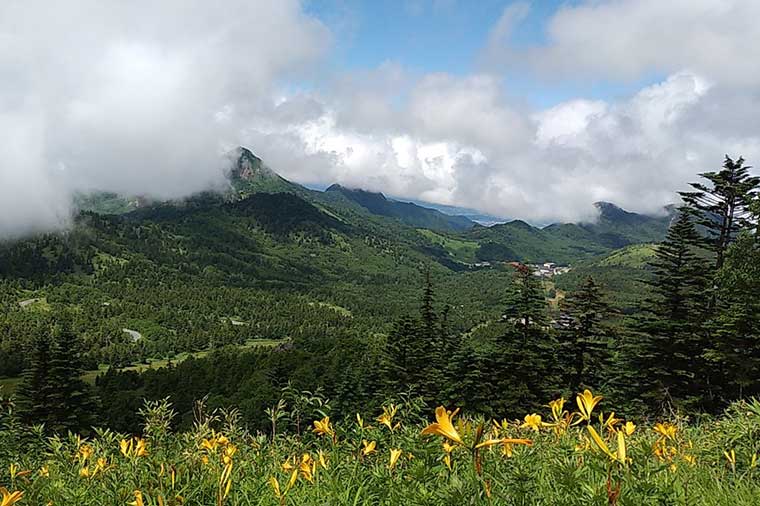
[[524, 109]]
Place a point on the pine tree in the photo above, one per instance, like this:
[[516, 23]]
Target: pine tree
[[736, 347], [52, 391], [413, 358], [34, 402], [665, 353], [525, 366], [71, 403], [584, 338], [722, 206], [526, 304]]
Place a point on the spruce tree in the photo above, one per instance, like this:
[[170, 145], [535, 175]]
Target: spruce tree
[[34, 402], [665, 353], [583, 336], [71, 403], [52, 391], [736, 347], [413, 358], [525, 366], [722, 205]]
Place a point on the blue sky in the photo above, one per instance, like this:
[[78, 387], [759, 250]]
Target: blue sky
[[426, 36]]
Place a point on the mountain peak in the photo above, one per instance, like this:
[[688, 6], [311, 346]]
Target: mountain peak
[[364, 194]]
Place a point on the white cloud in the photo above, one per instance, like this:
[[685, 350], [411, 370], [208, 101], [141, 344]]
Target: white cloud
[[142, 98], [134, 97], [628, 39]]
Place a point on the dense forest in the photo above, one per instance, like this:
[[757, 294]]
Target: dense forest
[[261, 315], [238, 300]]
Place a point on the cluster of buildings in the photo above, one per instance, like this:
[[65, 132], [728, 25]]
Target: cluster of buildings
[[548, 269]]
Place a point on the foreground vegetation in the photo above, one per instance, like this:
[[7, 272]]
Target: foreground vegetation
[[566, 455]]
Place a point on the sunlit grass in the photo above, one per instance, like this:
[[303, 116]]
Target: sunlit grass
[[574, 452]]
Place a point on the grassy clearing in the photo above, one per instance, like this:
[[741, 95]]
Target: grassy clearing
[[459, 249]]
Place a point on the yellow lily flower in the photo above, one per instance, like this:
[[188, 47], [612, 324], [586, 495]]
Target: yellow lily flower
[[557, 406], [323, 427], [138, 499], [275, 487], [611, 421], [508, 444], [621, 449], [387, 417], [532, 421], [322, 460], [395, 454], [307, 467], [628, 428], [586, 403], [368, 447], [666, 430], [600, 442], [10, 498], [443, 426]]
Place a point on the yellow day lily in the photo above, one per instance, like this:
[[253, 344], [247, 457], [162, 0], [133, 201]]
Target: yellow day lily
[[321, 458], [368, 447], [666, 430], [600, 443], [443, 426], [323, 427], [628, 428], [731, 458], [395, 454], [387, 417], [10, 498], [557, 406], [532, 421], [508, 444], [307, 467], [135, 447], [138, 499], [610, 422], [586, 404]]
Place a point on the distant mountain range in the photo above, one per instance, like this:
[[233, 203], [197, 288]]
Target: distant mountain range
[[457, 238]]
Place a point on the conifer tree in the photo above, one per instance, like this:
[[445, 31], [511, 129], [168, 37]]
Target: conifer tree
[[736, 347], [584, 337], [722, 205], [52, 391], [413, 356], [666, 351], [34, 402], [525, 367], [71, 403]]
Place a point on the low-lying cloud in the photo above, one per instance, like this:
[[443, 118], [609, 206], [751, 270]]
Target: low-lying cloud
[[145, 98]]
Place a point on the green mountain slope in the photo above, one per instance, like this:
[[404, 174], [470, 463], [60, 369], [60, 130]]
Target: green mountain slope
[[406, 212], [623, 273]]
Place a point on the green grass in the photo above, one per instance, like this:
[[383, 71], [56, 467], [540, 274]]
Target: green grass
[[636, 256], [219, 463], [459, 249]]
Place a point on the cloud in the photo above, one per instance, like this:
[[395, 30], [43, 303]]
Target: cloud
[[627, 39], [134, 97], [460, 141], [144, 98]]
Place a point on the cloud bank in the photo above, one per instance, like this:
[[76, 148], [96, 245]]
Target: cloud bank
[[144, 98], [134, 97]]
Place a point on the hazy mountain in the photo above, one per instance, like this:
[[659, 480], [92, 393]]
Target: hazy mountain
[[406, 212]]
